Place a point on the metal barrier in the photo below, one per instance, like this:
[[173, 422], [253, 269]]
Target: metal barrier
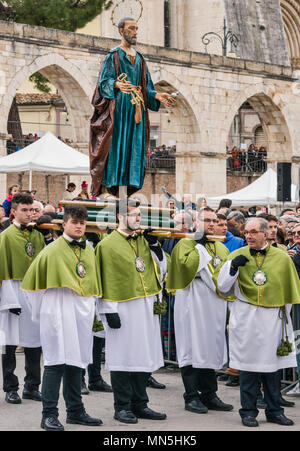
[[246, 164], [161, 163]]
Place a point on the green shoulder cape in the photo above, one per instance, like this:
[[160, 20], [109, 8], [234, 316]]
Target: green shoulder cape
[[185, 262], [115, 260], [55, 267], [14, 261], [282, 284]]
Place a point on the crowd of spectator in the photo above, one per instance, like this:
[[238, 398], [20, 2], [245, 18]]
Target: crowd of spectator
[[161, 157], [252, 159], [13, 145]]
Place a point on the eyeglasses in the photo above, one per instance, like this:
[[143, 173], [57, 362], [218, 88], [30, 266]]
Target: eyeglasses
[[133, 215], [37, 210], [296, 233], [252, 232]]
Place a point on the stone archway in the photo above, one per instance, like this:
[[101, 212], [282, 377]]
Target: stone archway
[[186, 133], [76, 92], [270, 108], [73, 86], [275, 130]]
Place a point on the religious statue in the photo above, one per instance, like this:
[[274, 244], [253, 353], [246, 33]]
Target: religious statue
[[120, 126]]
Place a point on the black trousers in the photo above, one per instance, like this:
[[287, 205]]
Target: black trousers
[[52, 377], [94, 369], [129, 390], [32, 377], [197, 380], [249, 387]]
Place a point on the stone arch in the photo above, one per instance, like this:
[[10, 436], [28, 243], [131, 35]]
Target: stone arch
[[72, 85], [270, 108], [291, 20], [188, 138]]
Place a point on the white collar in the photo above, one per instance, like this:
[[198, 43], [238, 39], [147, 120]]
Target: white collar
[[125, 233], [68, 238]]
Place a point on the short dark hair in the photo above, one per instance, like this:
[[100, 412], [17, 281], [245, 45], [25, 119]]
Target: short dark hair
[[284, 210], [21, 198], [71, 185], [225, 203], [268, 217], [75, 212], [219, 216], [122, 22]]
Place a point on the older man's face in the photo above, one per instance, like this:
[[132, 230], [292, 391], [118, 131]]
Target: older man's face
[[296, 235], [256, 239], [36, 211]]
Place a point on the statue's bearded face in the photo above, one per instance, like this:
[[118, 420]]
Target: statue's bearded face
[[130, 32]]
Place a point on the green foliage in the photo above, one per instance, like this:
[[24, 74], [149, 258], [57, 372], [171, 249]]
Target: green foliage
[[66, 15], [40, 82]]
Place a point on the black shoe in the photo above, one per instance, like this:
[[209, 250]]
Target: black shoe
[[233, 381], [196, 406], [149, 414], [284, 403], [125, 416], [280, 419], [100, 386], [84, 390], [51, 424], [35, 395], [84, 419], [223, 377], [217, 404], [12, 397], [251, 422], [154, 384]]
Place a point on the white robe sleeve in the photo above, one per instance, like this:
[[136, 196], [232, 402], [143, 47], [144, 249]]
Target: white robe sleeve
[[9, 295], [104, 307], [225, 281], [203, 270], [35, 300], [162, 264]]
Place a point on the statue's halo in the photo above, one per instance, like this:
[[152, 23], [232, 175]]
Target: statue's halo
[[121, 4]]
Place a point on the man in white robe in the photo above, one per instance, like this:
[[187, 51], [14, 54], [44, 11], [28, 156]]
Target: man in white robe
[[63, 301], [133, 347], [199, 316], [255, 326], [19, 246]]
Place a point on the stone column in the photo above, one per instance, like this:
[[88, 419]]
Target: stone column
[[3, 177]]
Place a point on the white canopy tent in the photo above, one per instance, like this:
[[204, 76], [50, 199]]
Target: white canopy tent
[[47, 154], [262, 191]]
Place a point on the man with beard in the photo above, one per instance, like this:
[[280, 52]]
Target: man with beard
[[131, 268], [199, 315], [120, 127]]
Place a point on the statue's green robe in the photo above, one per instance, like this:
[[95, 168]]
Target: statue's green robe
[[126, 158]]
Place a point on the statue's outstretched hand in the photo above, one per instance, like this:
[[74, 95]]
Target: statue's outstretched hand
[[165, 98]]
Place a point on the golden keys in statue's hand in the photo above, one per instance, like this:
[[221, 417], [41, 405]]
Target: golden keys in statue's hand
[[124, 85]]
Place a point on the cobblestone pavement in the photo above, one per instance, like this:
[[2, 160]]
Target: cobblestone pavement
[[27, 416]]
